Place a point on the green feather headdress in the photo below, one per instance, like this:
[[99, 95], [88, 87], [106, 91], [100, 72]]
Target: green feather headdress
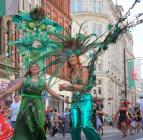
[[35, 41], [81, 43]]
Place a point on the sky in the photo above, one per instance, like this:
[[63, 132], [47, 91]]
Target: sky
[[137, 32]]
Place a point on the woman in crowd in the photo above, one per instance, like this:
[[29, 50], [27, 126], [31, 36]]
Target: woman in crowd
[[99, 123], [138, 119], [31, 117], [6, 131], [123, 118]]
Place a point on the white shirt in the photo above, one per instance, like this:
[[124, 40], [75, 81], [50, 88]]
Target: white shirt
[[14, 110], [98, 121], [141, 105]]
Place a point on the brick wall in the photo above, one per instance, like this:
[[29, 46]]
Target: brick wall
[[59, 11]]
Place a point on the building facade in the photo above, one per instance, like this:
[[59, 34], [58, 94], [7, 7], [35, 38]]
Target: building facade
[[59, 11], [29, 4], [110, 67], [6, 34], [9, 59]]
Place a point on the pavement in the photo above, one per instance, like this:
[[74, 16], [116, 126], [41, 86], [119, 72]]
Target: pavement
[[109, 134]]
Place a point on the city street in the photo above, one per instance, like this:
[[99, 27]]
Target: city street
[[70, 64], [109, 134]]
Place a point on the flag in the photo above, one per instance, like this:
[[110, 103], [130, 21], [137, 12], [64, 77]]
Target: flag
[[131, 74], [134, 73], [8, 7]]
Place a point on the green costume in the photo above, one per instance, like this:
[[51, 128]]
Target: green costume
[[31, 118], [35, 46], [81, 114]]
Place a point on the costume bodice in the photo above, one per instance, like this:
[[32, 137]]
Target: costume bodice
[[76, 79], [34, 87]]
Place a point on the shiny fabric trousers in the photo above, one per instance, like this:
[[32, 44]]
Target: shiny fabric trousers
[[81, 118]]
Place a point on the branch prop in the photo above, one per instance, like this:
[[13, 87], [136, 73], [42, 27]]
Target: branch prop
[[112, 37], [61, 48], [99, 47]]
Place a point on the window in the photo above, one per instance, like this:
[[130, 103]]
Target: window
[[76, 5], [72, 5], [97, 29], [79, 5], [30, 5], [66, 7], [84, 5], [99, 6], [96, 6], [94, 91], [99, 82], [9, 36], [99, 66], [92, 5], [23, 5], [99, 90]]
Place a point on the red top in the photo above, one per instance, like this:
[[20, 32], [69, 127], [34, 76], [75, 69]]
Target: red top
[[123, 108], [6, 131]]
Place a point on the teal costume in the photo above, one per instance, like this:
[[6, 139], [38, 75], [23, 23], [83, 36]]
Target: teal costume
[[31, 118], [81, 114]]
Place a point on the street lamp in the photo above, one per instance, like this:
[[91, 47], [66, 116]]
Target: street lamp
[[125, 79]]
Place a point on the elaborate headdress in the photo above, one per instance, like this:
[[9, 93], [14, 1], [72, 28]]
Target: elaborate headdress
[[35, 43], [124, 104], [124, 101]]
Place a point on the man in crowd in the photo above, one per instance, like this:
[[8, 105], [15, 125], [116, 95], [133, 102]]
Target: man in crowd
[[141, 107], [14, 109], [48, 114]]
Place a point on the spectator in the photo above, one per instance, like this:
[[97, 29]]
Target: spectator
[[141, 107], [6, 131], [14, 109], [94, 118], [132, 127], [67, 113], [99, 123], [48, 114], [138, 119]]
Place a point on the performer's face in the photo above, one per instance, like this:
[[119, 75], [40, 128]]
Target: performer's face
[[34, 69], [73, 60]]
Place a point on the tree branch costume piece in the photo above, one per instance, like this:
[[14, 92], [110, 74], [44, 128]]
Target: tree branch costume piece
[[35, 45], [80, 44]]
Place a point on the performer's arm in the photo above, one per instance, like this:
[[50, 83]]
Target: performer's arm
[[52, 92], [14, 87], [116, 115], [77, 87], [128, 115]]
